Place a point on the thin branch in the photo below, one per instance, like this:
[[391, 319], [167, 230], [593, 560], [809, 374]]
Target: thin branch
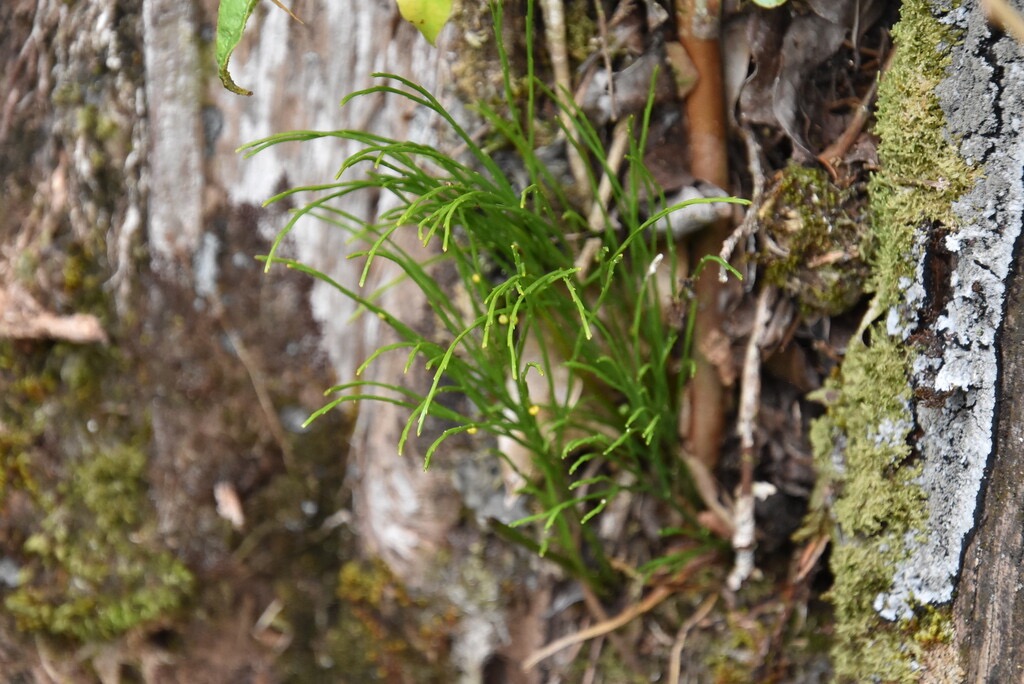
[[599, 208], [625, 617], [616, 153], [743, 540], [259, 385], [699, 33], [709, 491], [286, 9], [598, 611], [656, 597], [749, 223], [675, 659], [835, 152], [554, 31]]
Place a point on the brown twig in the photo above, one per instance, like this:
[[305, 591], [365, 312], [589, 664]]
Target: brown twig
[[675, 658], [749, 222], [259, 385], [590, 676], [699, 31], [598, 611], [796, 591], [651, 601], [809, 557], [834, 153], [599, 208], [709, 492], [290, 13], [616, 153]]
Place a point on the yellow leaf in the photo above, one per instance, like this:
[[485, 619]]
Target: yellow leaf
[[428, 16]]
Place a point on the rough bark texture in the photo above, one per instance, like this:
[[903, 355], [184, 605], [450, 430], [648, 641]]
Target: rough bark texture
[[959, 296], [126, 202], [990, 603], [989, 608]]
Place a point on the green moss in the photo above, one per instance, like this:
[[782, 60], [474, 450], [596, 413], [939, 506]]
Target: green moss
[[97, 573], [868, 423], [922, 173], [581, 29], [873, 413], [732, 660], [67, 94], [932, 626], [878, 504], [96, 126], [813, 244], [383, 633], [92, 568], [867, 649]]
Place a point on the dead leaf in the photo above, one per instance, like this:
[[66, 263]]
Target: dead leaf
[[629, 89], [775, 94]]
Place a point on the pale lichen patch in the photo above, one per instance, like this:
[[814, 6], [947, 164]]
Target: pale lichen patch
[[967, 263]]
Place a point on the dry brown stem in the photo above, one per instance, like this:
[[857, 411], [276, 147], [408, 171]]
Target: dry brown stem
[[749, 223], [652, 600], [675, 659], [750, 399], [834, 153], [699, 30], [599, 208], [618, 643], [259, 385]]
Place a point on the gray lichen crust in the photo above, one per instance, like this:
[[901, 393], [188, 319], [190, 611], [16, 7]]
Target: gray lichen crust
[[958, 308]]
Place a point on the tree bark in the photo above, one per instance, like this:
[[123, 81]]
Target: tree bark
[[990, 604], [119, 140]]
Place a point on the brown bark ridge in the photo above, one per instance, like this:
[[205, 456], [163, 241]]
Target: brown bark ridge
[[989, 609]]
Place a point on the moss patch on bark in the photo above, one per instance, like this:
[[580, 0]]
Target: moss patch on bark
[[864, 443]]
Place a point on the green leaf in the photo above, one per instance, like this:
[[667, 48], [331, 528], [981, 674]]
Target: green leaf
[[769, 4], [428, 16], [231, 18]]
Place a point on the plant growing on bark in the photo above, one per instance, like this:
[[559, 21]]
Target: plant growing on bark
[[579, 363]]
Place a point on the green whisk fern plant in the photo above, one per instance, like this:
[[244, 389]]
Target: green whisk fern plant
[[582, 370]]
